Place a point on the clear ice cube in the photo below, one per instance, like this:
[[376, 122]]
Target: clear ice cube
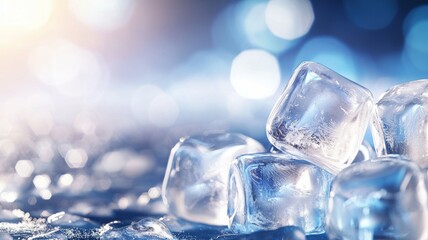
[[321, 116], [268, 191], [400, 125], [195, 183], [383, 198], [147, 228], [365, 152]]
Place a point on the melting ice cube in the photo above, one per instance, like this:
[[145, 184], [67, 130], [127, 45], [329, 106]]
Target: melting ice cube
[[195, 184]]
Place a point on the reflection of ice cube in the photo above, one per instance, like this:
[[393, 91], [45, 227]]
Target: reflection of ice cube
[[195, 184], [401, 123], [283, 233], [268, 191], [381, 198], [321, 116]]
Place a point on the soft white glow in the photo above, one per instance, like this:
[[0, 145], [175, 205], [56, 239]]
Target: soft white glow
[[289, 19], [304, 182], [123, 202], [42, 181], [74, 71], [85, 122], [24, 168], [144, 199], [9, 197], [65, 180], [24, 15], [154, 192], [45, 194], [76, 158], [255, 74], [40, 122], [141, 99], [102, 14], [163, 111]]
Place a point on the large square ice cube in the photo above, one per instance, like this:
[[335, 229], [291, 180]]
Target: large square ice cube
[[268, 191], [400, 125], [321, 116], [383, 198], [195, 183]]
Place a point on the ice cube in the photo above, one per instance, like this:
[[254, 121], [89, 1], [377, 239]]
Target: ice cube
[[195, 183], [383, 198], [268, 191], [321, 116], [365, 152], [401, 123], [147, 228]]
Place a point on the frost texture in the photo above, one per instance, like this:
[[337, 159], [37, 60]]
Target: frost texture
[[268, 191], [321, 116], [196, 179], [401, 123], [378, 199]]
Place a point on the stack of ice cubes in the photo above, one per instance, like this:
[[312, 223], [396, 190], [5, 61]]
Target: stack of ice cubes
[[320, 174]]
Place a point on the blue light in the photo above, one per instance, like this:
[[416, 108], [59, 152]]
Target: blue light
[[330, 52], [415, 16], [242, 26], [416, 48], [371, 15]]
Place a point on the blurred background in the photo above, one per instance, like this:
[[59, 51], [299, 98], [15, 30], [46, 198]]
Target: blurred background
[[94, 93]]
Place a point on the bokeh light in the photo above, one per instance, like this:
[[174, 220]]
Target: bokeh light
[[416, 47], [72, 70], [330, 52], [255, 74], [102, 14], [289, 19], [19, 17]]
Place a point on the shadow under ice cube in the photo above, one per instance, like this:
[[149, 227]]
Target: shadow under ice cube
[[401, 123], [268, 191], [383, 198], [321, 116], [196, 179]]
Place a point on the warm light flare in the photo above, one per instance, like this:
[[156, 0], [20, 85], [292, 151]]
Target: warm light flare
[[22, 16]]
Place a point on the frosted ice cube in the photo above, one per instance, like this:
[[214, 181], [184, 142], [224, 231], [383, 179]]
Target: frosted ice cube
[[147, 228], [321, 116], [195, 183], [378, 199], [401, 123], [268, 191], [365, 152]]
